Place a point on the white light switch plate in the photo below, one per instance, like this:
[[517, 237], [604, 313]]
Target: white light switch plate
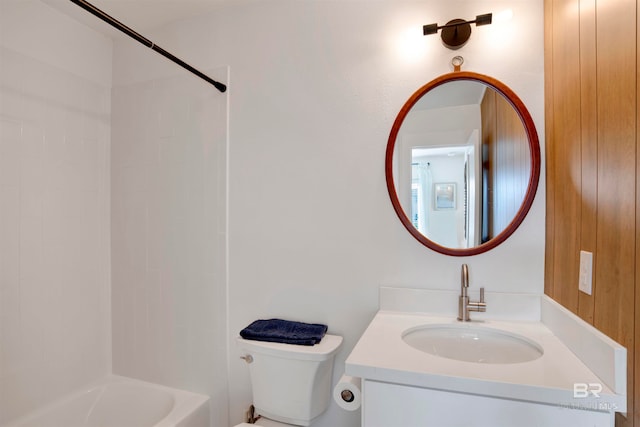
[[586, 272]]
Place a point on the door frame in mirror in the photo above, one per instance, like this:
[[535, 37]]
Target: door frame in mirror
[[534, 148]]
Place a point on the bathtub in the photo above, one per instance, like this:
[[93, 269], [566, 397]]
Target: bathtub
[[122, 402]]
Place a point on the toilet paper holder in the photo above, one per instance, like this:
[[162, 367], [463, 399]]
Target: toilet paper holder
[[347, 395]]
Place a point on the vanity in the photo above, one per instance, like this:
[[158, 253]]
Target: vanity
[[462, 167], [530, 362]]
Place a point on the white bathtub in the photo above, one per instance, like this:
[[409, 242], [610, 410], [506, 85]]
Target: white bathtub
[[122, 402]]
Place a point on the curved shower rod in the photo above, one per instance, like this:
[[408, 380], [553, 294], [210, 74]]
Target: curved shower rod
[[148, 43]]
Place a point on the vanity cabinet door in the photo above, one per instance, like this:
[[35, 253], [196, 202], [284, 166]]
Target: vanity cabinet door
[[387, 405]]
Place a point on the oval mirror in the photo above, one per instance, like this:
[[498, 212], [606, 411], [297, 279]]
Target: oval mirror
[[462, 163]]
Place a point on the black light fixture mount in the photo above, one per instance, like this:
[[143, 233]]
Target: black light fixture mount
[[456, 32]]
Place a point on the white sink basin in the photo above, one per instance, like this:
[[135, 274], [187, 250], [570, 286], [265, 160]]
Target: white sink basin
[[470, 343]]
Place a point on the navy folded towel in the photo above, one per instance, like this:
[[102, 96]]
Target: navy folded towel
[[284, 331]]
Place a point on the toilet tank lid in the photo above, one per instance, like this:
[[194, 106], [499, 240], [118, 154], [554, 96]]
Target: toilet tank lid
[[325, 349]]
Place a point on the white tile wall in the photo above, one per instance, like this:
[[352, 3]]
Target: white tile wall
[[54, 206], [168, 215], [54, 232], [168, 259]]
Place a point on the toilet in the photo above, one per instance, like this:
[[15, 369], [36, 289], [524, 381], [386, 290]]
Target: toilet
[[291, 383]]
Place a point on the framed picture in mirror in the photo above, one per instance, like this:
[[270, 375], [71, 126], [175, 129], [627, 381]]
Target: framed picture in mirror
[[444, 196]]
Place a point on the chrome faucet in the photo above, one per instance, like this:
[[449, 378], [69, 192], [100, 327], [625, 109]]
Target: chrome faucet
[[464, 305]]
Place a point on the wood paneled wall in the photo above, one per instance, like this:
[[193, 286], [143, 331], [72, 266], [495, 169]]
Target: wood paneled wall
[[593, 163], [508, 159]]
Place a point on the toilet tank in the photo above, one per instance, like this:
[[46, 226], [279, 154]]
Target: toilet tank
[[291, 383]]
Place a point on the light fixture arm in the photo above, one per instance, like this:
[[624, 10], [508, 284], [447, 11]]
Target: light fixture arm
[[480, 20]]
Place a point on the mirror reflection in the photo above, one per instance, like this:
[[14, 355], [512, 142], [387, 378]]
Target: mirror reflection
[[461, 164]]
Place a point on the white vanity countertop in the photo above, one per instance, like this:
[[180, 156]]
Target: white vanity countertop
[[382, 355]]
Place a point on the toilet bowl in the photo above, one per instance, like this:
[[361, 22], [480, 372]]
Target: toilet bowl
[[300, 396]]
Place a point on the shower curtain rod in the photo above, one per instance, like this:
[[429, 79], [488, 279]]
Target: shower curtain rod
[[148, 43]]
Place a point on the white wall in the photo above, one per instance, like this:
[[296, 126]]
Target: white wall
[[55, 80], [314, 89], [168, 179], [446, 226], [440, 127]]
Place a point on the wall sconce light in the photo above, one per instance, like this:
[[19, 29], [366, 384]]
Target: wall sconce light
[[456, 32]]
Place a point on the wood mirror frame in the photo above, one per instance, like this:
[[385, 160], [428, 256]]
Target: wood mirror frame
[[534, 149]]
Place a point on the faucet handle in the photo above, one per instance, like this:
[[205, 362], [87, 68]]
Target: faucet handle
[[482, 294]]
